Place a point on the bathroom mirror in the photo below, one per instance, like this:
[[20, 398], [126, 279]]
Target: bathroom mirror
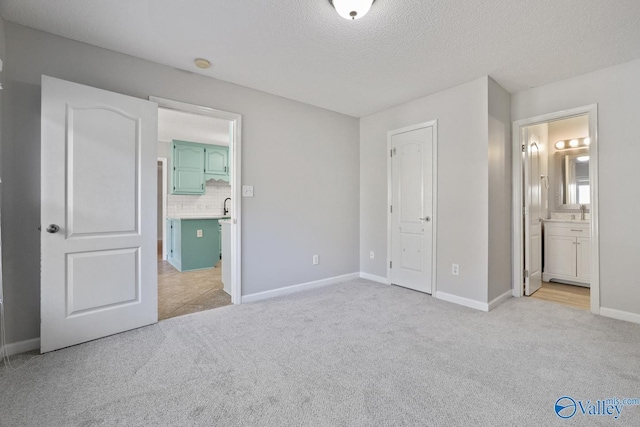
[[572, 173]]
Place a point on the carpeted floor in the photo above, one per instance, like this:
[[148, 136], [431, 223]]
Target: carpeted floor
[[358, 353]]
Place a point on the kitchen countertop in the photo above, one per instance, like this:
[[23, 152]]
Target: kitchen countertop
[[183, 218]]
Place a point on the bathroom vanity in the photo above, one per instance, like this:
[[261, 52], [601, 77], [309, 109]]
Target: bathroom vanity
[[567, 251]]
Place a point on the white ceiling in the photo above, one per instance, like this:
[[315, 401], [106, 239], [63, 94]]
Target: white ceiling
[[173, 124], [401, 50]]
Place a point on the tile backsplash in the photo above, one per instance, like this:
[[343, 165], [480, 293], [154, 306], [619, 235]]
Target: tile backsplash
[[210, 203]]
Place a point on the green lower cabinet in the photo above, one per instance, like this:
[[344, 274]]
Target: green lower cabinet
[[188, 251]]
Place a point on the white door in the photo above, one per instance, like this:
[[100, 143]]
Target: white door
[[98, 240], [533, 217], [412, 209]]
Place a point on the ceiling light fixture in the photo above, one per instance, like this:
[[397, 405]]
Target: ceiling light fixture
[[202, 63], [352, 9]]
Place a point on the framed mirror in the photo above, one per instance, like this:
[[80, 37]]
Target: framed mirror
[[572, 184]]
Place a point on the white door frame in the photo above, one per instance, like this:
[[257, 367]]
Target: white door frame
[[518, 268], [165, 177], [236, 184], [434, 189]]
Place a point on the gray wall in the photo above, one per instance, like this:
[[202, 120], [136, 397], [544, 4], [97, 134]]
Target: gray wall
[[302, 160], [499, 154], [2, 56], [462, 217], [616, 90]]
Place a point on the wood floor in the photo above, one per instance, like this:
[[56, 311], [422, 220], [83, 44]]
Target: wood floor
[[190, 291], [570, 295]]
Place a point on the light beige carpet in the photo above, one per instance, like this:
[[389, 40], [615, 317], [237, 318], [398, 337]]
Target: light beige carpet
[[354, 354]]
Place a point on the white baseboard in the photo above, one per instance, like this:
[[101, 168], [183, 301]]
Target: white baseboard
[[298, 288], [500, 299], [22, 346], [620, 315], [483, 306], [374, 278]]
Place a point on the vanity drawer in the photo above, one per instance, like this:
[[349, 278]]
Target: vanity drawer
[[569, 230]]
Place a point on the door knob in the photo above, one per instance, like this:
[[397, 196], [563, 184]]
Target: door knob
[[52, 228], [426, 218]]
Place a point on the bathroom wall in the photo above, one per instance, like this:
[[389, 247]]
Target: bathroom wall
[[209, 204]]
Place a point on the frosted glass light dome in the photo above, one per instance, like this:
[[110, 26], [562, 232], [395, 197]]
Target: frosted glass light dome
[[352, 9]]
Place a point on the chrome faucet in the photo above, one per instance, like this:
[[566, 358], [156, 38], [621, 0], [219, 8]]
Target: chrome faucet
[[224, 206], [582, 209]]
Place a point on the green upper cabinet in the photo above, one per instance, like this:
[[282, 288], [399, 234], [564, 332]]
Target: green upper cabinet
[[194, 163], [216, 162], [188, 170]]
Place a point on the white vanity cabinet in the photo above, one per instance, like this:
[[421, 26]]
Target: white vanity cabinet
[[567, 252]]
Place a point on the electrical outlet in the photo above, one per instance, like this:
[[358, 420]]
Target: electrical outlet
[[372, 255], [455, 269], [316, 260], [198, 233]]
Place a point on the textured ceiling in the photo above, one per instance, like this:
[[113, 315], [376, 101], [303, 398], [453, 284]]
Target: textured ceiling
[[401, 50], [173, 124]]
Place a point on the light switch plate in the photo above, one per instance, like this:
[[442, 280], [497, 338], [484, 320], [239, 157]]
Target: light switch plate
[[198, 233], [247, 191]]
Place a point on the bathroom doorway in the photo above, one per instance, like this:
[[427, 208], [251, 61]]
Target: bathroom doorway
[[555, 208]]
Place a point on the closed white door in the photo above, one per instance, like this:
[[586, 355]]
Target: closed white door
[[412, 209], [98, 213], [533, 219]]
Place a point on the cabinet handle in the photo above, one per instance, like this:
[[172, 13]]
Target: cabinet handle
[[575, 230]]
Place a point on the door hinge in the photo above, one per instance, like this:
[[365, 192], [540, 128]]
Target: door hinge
[[390, 264], [391, 208], [390, 153], [523, 148], [526, 274]]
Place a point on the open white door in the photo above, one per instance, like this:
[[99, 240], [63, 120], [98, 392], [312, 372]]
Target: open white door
[[412, 208], [98, 213], [533, 216]]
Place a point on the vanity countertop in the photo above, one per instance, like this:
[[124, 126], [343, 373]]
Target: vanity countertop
[[570, 221]]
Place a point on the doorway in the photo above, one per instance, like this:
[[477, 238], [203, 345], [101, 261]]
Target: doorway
[[556, 208], [412, 198], [200, 144]]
